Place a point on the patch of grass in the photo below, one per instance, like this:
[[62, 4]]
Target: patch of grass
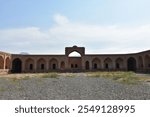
[[3, 89], [123, 77], [49, 75], [25, 78], [70, 75]]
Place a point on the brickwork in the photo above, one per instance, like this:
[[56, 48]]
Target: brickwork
[[17, 63]]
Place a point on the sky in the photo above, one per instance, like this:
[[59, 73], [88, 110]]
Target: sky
[[48, 26]]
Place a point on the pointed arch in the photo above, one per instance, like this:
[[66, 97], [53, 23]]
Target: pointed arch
[[74, 54], [96, 63], [131, 63], [108, 64], [119, 63], [29, 65], [53, 64], [41, 65], [17, 65]]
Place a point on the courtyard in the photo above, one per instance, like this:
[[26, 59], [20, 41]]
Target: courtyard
[[75, 86]]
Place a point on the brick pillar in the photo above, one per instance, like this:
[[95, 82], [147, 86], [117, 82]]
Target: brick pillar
[[4, 62], [102, 64], [90, 65], [47, 65], [23, 66], [113, 64], [35, 66]]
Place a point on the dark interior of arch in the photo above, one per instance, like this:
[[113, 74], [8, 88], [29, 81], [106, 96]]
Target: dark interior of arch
[[131, 64], [16, 66]]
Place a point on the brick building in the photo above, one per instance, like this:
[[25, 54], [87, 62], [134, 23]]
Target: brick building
[[19, 63]]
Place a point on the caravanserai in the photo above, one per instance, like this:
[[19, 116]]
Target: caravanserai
[[27, 63]]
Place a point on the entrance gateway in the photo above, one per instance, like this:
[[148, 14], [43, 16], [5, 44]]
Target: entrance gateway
[[19, 63]]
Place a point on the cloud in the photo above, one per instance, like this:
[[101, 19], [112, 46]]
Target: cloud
[[96, 38], [60, 19]]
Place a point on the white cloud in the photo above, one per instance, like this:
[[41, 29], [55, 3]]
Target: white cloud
[[96, 38], [60, 19]]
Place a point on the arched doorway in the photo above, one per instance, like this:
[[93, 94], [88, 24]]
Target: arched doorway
[[131, 63], [96, 63], [119, 63], [108, 64], [53, 64], [1, 62], [41, 65], [29, 64], [17, 66], [74, 61], [87, 65]]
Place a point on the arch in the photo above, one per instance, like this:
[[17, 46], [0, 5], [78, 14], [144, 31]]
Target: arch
[[87, 65], [74, 54], [131, 63], [119, 63], [80, 50], [147, 62], [41, 65], [53, 64], [17, 65], [96, 63], [140, 61], [1, 62], [7, 66], [29, 65], [108, 63], [62, 65]]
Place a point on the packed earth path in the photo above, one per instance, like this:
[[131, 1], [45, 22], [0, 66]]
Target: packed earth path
[[73, 87]]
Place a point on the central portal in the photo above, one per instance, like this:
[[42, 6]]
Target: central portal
[[75, 58], [75, 61]]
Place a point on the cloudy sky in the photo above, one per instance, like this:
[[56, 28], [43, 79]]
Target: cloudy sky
[[48, 26]]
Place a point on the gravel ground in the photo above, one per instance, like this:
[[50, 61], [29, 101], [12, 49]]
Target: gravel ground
[[78, 88]]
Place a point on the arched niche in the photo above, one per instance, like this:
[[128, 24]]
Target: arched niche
[[17, 65], [96, 63], [53, 63], [131, 63], [108, 64], [29, 65]]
